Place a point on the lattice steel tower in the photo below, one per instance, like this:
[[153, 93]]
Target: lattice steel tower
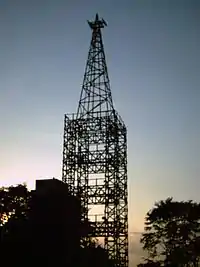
[[95, 154]]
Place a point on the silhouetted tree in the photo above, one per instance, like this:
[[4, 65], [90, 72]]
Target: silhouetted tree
[[172, 234], [95, 256], [14, 203], [17, 235], [14, 227]]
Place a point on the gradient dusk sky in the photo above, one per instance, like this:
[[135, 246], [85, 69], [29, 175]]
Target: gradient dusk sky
[[153, 57]]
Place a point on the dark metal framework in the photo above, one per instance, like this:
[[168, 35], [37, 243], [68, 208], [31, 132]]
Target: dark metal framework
[[95, 154]]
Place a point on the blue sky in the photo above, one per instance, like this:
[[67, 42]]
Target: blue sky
[[152, 52]]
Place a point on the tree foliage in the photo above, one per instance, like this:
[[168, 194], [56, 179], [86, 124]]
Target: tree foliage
[[17, 236], [172, 234], [14, 203]]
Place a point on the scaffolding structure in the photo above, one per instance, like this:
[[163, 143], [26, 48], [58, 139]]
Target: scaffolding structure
[[95, 154]]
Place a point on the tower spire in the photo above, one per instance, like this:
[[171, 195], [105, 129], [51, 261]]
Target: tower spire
[[95, 156], [95, 94]]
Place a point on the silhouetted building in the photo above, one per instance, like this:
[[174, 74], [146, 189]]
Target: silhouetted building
[[56, 221]]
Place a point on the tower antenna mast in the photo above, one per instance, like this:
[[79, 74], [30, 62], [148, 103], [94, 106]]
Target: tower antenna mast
[[95, 93], [95, 155]]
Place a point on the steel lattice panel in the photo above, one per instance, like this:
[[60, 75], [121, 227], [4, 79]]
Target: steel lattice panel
[[92, 146]]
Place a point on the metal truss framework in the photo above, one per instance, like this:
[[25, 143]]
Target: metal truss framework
[[95, 155]]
